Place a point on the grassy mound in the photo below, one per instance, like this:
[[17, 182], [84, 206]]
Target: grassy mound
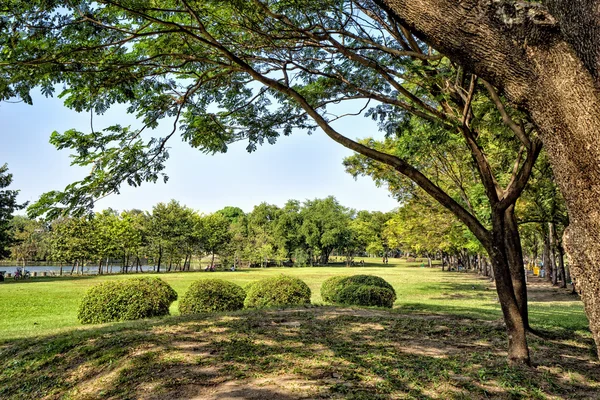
[[319, 353], [209, 295], [128, 299], [277, 291]]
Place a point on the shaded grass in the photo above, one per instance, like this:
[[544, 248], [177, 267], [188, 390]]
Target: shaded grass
[[322, 352]]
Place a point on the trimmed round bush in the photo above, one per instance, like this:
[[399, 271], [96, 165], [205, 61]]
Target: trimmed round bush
[[210, 295], [277, 291], [359, 290], [365, 295], [329, 287], [127, 299]]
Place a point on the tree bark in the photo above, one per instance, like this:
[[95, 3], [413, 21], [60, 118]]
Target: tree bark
[[524, 53]]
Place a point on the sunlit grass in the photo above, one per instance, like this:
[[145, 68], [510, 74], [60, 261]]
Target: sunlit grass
[[49, 305]]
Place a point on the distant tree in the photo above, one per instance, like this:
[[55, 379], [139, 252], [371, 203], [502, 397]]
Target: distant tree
[[233, 214], [171, 227], [8, 205], [238, 230], [262, 223], [132, 237], [70, 241], [213, 234], [287, 230], [325, 226], [31, 239], [368, 229]]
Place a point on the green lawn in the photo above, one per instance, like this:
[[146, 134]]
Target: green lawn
[[444, 339], [49, 305]]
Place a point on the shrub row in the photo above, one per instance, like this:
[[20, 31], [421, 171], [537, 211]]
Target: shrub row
[[139, 298], [151, 297]]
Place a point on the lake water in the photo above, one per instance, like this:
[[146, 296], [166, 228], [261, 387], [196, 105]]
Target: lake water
[[55, 270]]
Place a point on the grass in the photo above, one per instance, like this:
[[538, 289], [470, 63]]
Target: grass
[[49, 305], [443, 340]]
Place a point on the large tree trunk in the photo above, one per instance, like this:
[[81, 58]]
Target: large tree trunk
[[521, 50]]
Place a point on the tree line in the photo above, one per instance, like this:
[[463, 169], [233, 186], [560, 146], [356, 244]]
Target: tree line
[[171, 235]]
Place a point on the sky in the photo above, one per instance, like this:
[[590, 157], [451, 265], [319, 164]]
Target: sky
[[299, 166]]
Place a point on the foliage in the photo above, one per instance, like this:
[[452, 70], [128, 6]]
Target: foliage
[[70, 240], [325, 225], [31, 239], [360, 290], [171, 235], [329, 288], [129, 299], [8, 205], [213, 232], [364, 295], [278, 291], [208, 295]]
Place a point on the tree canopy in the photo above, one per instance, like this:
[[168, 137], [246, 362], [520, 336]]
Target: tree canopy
[[8, 205]]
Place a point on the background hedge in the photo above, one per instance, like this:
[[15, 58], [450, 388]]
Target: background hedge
[[127, 299], [359, 290], [209, 295], [329, 287], [280, 290]]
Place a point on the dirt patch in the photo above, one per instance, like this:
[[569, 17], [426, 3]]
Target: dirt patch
[[541, 290]]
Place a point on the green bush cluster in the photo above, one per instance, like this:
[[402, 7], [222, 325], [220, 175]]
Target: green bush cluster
[[358, 290], [127, 299], [277, 291], [210, 295], [329, 288]]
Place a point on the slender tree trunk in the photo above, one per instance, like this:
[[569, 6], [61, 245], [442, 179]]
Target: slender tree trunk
[[552, 252], [160, 254], [518, 352], [514, 253], [561, 266], [546, 257]]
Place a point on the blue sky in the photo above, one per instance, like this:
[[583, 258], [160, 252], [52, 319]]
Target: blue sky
[[299, 167]]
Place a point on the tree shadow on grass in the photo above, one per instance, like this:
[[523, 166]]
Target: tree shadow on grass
[[324, 352]]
